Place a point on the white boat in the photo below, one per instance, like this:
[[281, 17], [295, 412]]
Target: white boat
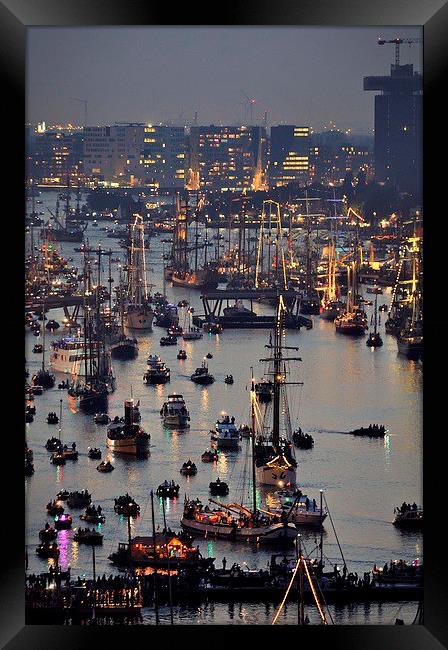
[[69, 356], [139, 313], [125, 436], [278, 471], [226, 434], [174, 411], [139, 317], [301, 514]]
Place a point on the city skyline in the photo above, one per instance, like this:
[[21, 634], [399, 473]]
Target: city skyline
[[298, 75]]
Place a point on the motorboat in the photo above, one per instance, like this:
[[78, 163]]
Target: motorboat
[[37, 349], [245, 431], [124, 348], [229, 379], [374, 340], [47, 550], [409, 516], [57, 458], [175, 330], [55, 508], [202, 376], [182, 354], [69, 453], [101, 418], [78, 499], [52, 418], [93, 515], [174, 412], [126, 505], [63, 521], [94, 453], [302, 511], [193, 334], [212, 328], [168, 340], [169, 550], [48, 533], [399, 572], [218, 488], [52, 325], [209, 456], [105, 467], [189, 468], [87, 536], [168, 489], [302, 440], [372, 431], [226, 434], [125, 436], [157, 373]]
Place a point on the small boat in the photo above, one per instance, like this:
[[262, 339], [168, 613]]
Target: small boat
[[94, 453], [209, 456], [228, 379], [87, 536], [126, 505], [48, 534], [409, 516], [63, 522], [175, 330], [182, 354], [302, 511], [37, 390], [157, 373], [168, 489], [55, 508], [69, 453], [52, 325], [105, 467], [202, 376], [302, 440], [212, 328], [384, 308], [245, 431], [218, 487], [63, 385], [29, 417], [372, 431], [62, 495], [168, 340], [53, 444], [209, 355], [93, 515], [78, 499], [57, 458], [193, 334], [101, 418], [183, 303], [38, 348], [374, 340], [377, 290], [189, 469], [226, 434], [52, 418], [47, 550]]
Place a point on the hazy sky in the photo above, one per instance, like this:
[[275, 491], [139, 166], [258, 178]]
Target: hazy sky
[[300, 75]]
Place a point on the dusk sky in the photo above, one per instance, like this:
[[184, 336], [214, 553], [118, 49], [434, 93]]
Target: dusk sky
[[299, 75]]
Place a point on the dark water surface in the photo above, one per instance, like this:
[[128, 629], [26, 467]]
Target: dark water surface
[[346, 385]]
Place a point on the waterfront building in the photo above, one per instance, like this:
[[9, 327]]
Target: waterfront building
[[398, 127], [162, 163], [289, 155], [227, 158]]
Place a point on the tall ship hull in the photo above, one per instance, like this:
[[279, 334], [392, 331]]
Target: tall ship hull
[[126, 349], [128, 446], [94, 401], [203, 279], [275, 475], [410, 346], [140, 318], [76, 236], [275, 533]]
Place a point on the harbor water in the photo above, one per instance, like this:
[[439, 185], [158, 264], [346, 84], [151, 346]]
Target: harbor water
[[345, 385]]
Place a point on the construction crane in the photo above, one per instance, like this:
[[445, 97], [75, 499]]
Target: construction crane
[[82, 101], [397, 42], [248, 108]]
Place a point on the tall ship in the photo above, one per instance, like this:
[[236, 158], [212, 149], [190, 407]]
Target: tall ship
[[182, 272], [122, 346], [331, 306], [70, 231], [125, 436], [139, 314], [274, 453], [410, 338], [353, 321], [310, 302]]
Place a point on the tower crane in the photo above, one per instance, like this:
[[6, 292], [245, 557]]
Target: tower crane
[[397, 42]]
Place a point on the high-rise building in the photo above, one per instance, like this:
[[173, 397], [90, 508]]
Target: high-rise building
[[227, 158], [398, 127], [112, 153], [289, 155], [163, 157], [54, 154]]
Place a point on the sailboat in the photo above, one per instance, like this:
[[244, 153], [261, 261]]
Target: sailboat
[[331, 307], [410, 338], [180, 273], [310, 303], [237, 522], [68, 232], [123, 347], [43, 377], [353, 321], [374, 339], [139, 313], [275, 464]]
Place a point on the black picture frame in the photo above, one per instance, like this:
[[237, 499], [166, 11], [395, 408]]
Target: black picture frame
[[15, 17]]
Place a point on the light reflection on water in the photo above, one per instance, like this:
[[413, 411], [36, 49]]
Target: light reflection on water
[[346, 385]]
